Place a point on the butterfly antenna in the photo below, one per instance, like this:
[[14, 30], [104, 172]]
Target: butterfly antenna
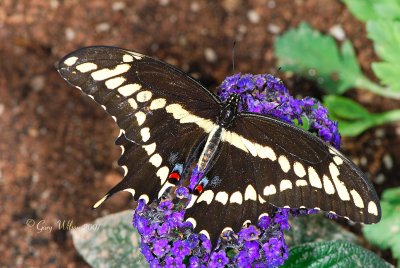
[[233, 56], [277, 71]]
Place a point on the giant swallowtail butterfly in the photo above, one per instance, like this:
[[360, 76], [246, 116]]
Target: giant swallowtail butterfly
[[168, 119]]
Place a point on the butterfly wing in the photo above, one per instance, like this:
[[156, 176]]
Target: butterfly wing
[[161, 111], [265, 161]]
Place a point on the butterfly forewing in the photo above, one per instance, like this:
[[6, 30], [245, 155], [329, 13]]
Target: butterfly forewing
[[152, 103], [130, 86]]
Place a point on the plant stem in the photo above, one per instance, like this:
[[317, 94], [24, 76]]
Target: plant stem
[[365, 83]]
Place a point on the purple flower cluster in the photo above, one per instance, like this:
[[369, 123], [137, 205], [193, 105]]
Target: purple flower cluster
[[168, 241], [266, 94]]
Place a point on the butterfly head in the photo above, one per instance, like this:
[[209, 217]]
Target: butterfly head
[[229, 110]]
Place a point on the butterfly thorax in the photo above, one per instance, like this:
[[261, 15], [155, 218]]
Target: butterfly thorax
[[229, 111], [225, 120]]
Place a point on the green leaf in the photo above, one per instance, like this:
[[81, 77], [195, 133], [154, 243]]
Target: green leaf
[[110, 241], [336, 254], [388, 9], [388, 73], [362, 9], [345, 108], [386, 233], [316, 228], [373, 10], [386, 37], [353, 118], [309, 53]]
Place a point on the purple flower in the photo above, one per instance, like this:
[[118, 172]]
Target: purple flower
[[271, 97], [251, 248], [145, 249], [180, 249], [192, 241], [174, 262], [166, 206], [275, 251], [142, 225], [281, 218], [250, 233], [218, 259], [163, 228], [182, 192], [161, 247], [243, 260], [155, 263], [264, 222]]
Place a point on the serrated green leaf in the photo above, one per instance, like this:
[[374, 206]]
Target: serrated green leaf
[[373, 10], [113, 243], [309, 53], [387, 9], [386, 233], [362, 9], [338, 254], [316, 228], [388, 73], [386, 37]]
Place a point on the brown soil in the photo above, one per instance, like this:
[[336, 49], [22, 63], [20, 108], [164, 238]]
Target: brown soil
[[57, 152]]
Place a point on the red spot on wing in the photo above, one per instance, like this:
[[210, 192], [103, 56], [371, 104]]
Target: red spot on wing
[[198, 189], [174, 177]]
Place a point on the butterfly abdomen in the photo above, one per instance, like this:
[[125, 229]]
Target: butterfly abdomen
[[210, 148]]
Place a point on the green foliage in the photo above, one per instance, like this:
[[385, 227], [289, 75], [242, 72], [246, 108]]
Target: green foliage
[[353, 118], [317, 57], [315, 228], [373, 10], [338, 254], [110, 241], [386, 234], [386, 37]]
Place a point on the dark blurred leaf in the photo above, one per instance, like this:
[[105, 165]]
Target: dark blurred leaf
[[338, 254], [386, 233], [316, 228], [110, 241]]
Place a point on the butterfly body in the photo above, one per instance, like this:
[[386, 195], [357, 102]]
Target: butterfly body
[[167, 119]]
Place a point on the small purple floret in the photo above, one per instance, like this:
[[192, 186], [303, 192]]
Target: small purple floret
[[218, 259]]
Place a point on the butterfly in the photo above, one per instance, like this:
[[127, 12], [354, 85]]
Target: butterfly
[[169, 121]]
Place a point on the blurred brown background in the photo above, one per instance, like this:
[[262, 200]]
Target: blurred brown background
[[57, 152]]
